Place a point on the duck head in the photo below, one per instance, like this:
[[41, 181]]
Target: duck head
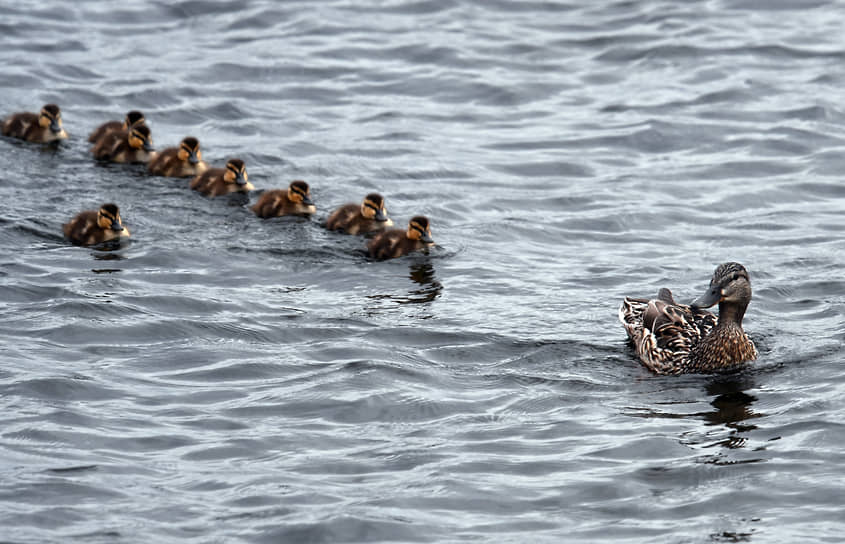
[[419, 229], [373, 208], [189, 150], [236, 173]]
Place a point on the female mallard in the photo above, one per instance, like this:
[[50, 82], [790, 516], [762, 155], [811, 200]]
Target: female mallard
[[222, 181], [45, 126], [95, 227], [359, 219], [393, 243], [295, 200], [673, 338], [133, 119], [184, 161], [133, 145]]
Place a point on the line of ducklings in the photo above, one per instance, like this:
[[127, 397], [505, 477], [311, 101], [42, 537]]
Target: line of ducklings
[[668, 337], [130, 141]]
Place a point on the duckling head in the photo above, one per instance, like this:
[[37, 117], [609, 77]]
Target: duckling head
[[373, 208], [189, 150], [51, 116], [141, 137], [236, 173], [133, 118], [108, 217], [300, 193], [419, 229], [729, 287]]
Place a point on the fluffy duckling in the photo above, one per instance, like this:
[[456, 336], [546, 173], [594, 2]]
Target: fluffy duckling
[[672, 338], [133, 119], [354, 219], [45, 126], [133, 145], [222, 181], [397, 242], [296, 200], [180, 162], [95, 227]]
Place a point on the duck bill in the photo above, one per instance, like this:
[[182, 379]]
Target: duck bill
[[148, 146], [240, 181], [307, 201], [117, 227], [381, 216], [708, 299], [55, 126], [426, 238], [193, 159]]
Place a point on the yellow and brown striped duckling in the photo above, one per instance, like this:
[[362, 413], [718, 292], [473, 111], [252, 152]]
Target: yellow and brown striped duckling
[[222, 181], [184, 161], [133, 145], [133, 119], [672, 338], [45, 126], [360, 219], [295, 200], [393, 243], [95, 227]]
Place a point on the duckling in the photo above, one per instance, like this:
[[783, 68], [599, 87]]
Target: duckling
[[95, 227], [133, 118], [354, 219], [133, 145], [180, 162], [222, 181], [672, 338], [397, 242], [45, 126], [296, 200]]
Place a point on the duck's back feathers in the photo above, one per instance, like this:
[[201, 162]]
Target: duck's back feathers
[[346, 219], [663, 332]]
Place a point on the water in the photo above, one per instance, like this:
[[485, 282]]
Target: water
[[227, 379]]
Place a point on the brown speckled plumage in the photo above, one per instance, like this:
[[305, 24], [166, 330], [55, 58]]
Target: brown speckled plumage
[[672, 338]]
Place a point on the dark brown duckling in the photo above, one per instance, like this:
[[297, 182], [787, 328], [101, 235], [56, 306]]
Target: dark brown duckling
[[184, 161], [222, 181], [133, 145], [394, 243], [295, 200], [133, 119], [672, 338], [45, 126], [360, 219], [95, 227]]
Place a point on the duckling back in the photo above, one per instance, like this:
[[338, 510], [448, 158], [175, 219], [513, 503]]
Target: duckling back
[[133, 118]]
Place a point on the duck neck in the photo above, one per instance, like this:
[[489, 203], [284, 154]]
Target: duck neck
[[730, 314]]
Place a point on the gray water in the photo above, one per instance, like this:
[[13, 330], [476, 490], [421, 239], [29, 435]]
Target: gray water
[[227, 379]]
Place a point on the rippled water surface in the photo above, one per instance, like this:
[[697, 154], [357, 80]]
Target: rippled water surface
[[228, 379]]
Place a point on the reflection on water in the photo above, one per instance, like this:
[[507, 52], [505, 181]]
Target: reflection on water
[[427, 289]]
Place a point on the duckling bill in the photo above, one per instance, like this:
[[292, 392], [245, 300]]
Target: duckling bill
[[353, 218], [295, 200], [672, 338], [126, 146], [91, 227], [222, 181], [45, 126], [393, 243], [133, 118], [183, 161]]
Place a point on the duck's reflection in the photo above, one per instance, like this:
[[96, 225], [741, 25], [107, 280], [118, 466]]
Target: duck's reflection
[[733, 408], [427, 289]]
